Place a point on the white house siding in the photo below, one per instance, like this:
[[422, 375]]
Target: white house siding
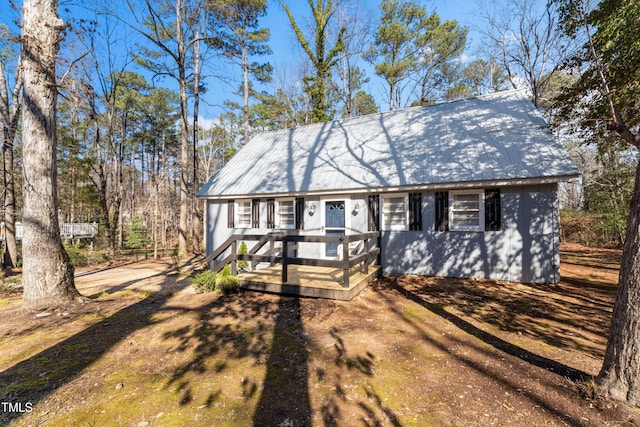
[[524, 250], [218, 232]]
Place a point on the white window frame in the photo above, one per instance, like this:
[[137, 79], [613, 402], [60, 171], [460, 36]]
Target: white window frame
[[278, 218], [453, 210], [238, 222], [383, 216]]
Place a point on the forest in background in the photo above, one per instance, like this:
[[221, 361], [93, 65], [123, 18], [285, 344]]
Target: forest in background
[[595, 49], [131, 154]]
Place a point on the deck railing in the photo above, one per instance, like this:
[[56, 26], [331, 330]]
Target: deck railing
[[75, 230], [289, 242]]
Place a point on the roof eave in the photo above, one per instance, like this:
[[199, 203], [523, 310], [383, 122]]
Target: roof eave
[[402, 188]]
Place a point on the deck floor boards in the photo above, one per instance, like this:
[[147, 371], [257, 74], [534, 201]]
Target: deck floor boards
[[309, 281]]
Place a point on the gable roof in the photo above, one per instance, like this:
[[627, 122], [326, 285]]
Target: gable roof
[[491, 139]]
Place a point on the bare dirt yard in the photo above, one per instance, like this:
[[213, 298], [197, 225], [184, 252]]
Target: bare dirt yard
[[146, 350]]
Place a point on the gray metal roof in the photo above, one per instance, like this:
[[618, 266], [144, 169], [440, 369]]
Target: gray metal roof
[[483, 140]]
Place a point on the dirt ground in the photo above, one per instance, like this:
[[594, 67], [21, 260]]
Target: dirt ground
[[145, 350]]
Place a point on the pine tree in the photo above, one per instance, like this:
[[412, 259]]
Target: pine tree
[[322, 57]]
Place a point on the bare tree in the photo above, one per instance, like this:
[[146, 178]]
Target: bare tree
[[356, 38], [47, 271], [524, 38], [10, 109], [196, 234], [172, 34]]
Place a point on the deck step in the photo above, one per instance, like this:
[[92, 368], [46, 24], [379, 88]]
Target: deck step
[[306, 281]]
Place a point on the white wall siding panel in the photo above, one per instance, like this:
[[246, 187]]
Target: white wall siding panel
[[525, 250]]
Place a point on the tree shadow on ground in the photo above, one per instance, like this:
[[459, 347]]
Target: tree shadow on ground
[[33, 379], [285, 395], [261, 330], [375, 412], [496, 346], [569, 315], [438, 308]]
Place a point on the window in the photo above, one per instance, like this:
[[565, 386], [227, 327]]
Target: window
[[286, 214], [243, 212], [394, 212], [466, 211]]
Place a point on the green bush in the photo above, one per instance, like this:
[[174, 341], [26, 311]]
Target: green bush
[[82, 255], [137, 234], [205, 281], [227, 284], [243, 250], [226, 270], [222, 282], [78, 255], [589, 229]]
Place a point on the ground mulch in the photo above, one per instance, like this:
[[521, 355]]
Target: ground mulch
[[144, 349]]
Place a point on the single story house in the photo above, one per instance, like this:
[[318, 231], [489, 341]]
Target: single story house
[[459, 189]]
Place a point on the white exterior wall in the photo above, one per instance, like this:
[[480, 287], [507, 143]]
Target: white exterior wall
[[524, 250]]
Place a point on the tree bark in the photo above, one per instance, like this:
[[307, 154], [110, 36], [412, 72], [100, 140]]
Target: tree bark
[[620, 373], [9, 115], [196, 223], [11, 252], [47, 271], [184, 134]]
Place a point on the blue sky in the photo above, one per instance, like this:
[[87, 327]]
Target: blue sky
[[287, 52]]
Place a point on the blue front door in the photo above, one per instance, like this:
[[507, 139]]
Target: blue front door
[[334, 224]]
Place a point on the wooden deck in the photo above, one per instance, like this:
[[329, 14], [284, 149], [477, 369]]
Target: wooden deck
[[308, 281]]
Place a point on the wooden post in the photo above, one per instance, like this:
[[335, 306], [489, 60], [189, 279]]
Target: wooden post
[[285, 255], [365, 268], [272, 247], [345, 261], [234, 261]]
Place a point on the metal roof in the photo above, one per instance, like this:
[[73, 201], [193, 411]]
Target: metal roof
[[494, 138]]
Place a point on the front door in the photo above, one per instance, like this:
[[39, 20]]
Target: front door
[[333, 224]]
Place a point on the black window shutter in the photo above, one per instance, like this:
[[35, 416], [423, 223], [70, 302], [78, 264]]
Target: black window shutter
[[271, 213], [415, 211], [255, 213], [442, 211], [492, 214], [299, 213], [374, 212], [230, 213]]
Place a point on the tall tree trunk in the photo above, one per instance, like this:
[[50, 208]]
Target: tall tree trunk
[[245, 92], [156, 209], [11, 252], [620, 371], [47, 271], [184, 135], [10, 112], [196, 223], [120, 194]]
